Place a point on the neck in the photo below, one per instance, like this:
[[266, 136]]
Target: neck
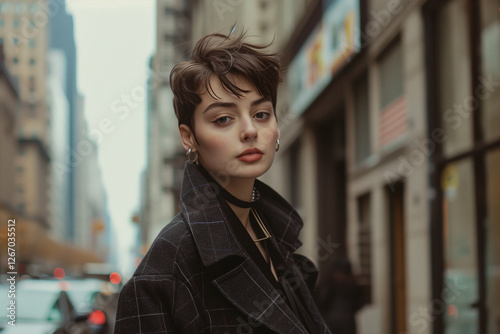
[[242, 189]]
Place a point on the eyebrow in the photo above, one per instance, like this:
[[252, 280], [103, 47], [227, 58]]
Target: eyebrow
[[233, 105]]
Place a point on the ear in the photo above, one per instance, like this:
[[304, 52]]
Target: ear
[[187, 137]]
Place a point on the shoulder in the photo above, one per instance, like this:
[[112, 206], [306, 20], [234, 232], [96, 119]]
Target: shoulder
[[173, 245]]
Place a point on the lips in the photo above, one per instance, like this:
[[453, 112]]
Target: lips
[[250, 155]]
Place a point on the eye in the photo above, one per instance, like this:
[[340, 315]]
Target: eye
[[222, 120], [262, 115]]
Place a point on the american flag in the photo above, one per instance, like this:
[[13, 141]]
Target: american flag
[[393, 121]]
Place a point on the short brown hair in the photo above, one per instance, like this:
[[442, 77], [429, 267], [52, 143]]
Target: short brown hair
[[222, 56]]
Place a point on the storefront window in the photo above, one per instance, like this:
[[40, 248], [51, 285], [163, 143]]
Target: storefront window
[[460, 295], [455, 77], [470, 212], [489, 93], [492, 244]]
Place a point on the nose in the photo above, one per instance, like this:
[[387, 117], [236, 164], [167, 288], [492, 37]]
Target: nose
[[248, 131]]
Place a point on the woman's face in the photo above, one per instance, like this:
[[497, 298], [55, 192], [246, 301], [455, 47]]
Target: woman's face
[[236, 136]]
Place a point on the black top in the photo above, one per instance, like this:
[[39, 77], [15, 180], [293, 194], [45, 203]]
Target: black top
[[285, 276]]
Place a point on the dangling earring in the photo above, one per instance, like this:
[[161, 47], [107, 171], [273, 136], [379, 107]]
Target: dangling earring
[[277, 145], [192, 155]]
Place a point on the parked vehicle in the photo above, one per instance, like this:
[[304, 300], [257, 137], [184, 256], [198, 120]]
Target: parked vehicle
[[42, 307], [70, 306]]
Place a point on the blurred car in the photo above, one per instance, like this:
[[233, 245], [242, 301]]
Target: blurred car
[[61, 306], [42, 306], [97, 299]]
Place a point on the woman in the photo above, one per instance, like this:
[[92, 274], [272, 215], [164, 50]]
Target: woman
[[225, 264]]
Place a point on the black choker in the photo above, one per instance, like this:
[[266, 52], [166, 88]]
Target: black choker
[[236, 201]]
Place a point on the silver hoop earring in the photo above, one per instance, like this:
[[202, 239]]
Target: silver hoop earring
[[192, 155], [277, 145]]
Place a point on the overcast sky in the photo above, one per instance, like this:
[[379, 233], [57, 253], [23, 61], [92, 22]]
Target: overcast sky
[[115, 40]]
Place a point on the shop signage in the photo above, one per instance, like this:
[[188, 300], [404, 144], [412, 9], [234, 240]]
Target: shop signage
[[329, 47]]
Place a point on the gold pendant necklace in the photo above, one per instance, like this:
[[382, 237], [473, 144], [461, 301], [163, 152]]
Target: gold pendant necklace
[[261, 225]]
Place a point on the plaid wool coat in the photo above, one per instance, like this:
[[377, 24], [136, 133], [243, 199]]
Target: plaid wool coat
[[196, 278]]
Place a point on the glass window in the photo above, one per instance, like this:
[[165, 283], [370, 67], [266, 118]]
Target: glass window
[[489, 91], [2, 23], [393, 117], [391, 76], [455, 77], [16, 23], [15, 60], [15, 80], [362, 119], [32, 43], [32, 84], [4, 7], [460, 248], [32, 109], [364, 246], [492, 244], [34, 8], [263, 27], [19, 8], [32, 61]]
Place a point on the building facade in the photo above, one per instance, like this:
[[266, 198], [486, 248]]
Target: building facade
[[24, 32], [42, 196], [390, 148]]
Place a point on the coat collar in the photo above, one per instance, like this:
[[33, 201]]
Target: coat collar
[[204, 216], [215, 241]]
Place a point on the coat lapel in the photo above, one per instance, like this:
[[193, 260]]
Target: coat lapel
[[203, 214]]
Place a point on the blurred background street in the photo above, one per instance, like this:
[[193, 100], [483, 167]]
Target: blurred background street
[[389, 117]]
